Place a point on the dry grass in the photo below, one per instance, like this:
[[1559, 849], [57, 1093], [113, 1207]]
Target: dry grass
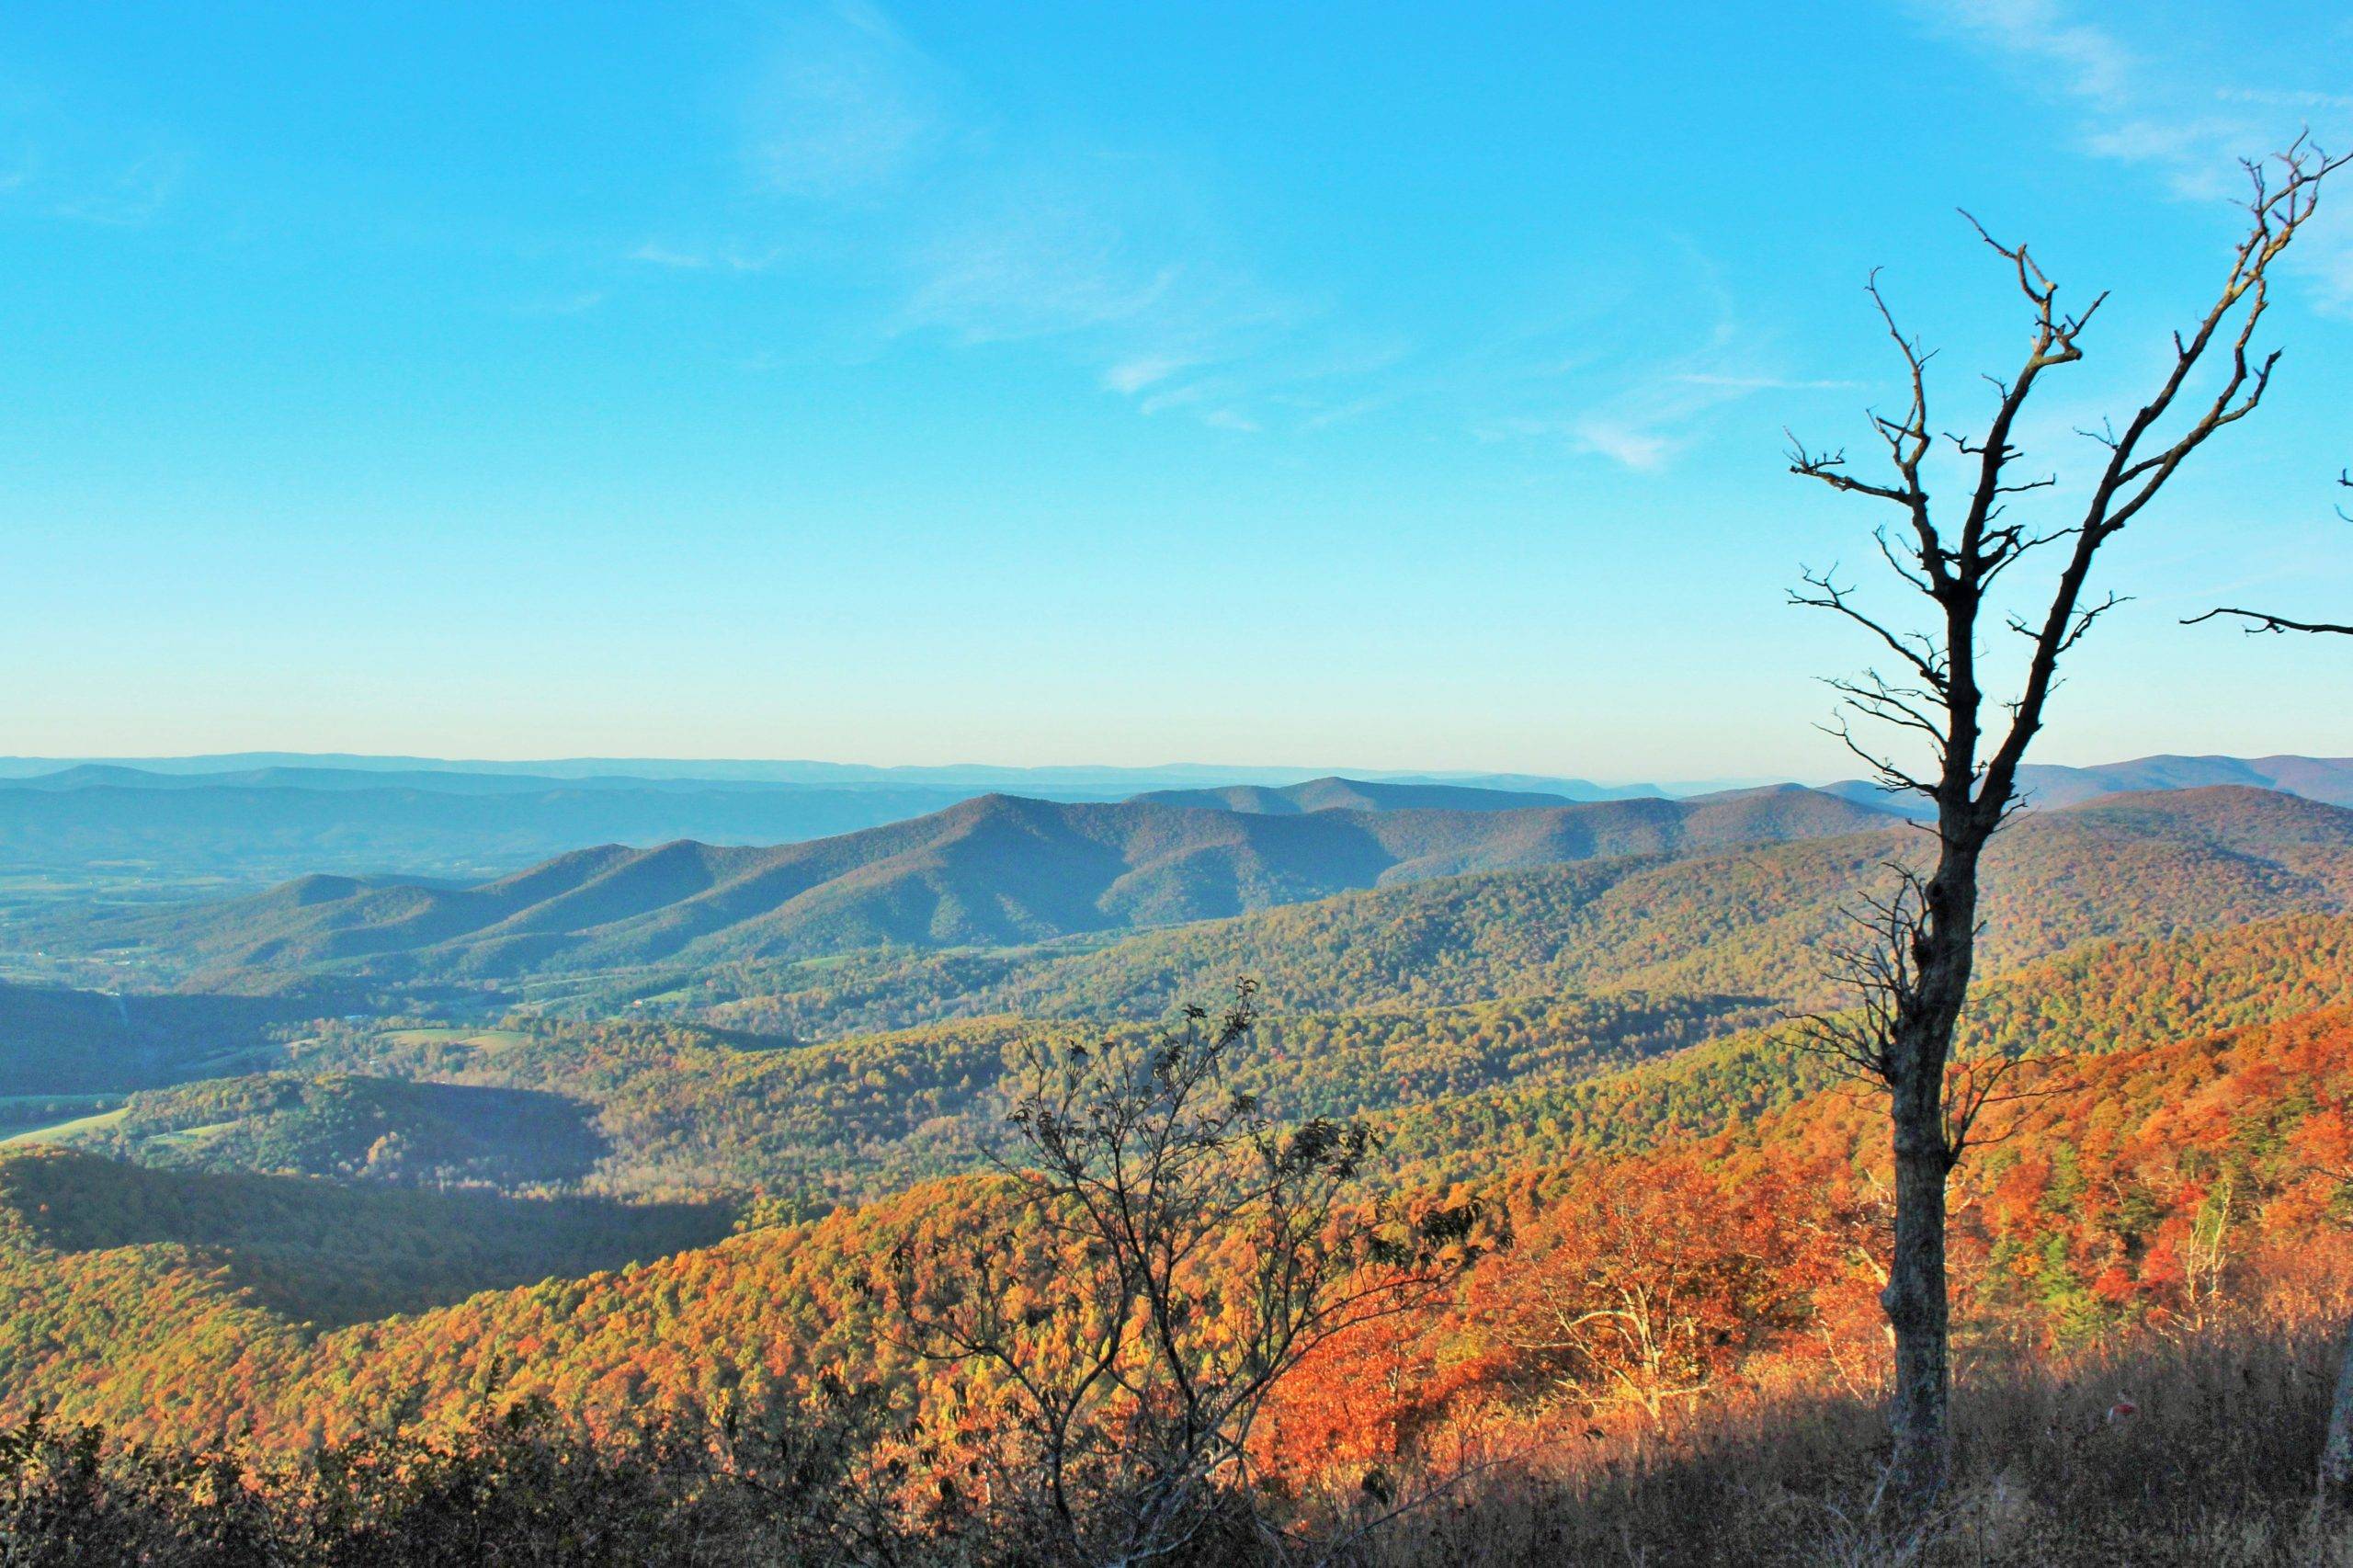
[[2214, 1467]]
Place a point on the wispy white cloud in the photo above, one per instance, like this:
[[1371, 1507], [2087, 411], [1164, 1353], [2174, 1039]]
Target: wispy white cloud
[[1654, 400], [2078, 58], [680, 258], [1721, 382], [844, 104], [1633, 446], [1131, 376], [1345, 413], [1030, 268], [979, 231], [128, 197], [2172, 109], [652, 253], [69, 164], [2279, 98]]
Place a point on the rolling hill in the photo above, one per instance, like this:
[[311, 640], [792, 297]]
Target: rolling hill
[[160, 830], [1749, 922], [1337, 794], [1459, 1089], [993, 871], [2049, 786], [2315, 777], [273, 820]]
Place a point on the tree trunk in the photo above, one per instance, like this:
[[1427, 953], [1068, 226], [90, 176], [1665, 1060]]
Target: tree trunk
[[1918, 1310], [1915, 1298], [2337, 1452]]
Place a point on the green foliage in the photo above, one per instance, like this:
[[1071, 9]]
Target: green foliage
[[371, 1129], [2103, 997], [682, 1108], [308, 1251]]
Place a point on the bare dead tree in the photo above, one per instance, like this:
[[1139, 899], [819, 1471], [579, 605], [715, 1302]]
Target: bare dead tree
[[1932, 694]]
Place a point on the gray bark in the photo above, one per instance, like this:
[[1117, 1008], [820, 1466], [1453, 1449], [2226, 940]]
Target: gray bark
[[1916, 1299]]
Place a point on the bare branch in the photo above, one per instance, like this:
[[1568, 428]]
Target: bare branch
[[2266, 622], [1914, 648]]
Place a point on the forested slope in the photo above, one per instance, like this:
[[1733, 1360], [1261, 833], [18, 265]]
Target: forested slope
[[1754, 922], [667, 1109], [2079, 1222]]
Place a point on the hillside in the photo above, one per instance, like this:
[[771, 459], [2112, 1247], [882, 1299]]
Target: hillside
[[338, 1124], [2047, 785], [57, 1041], [92, 822], [2075, 1225], [636, 1107], [2103, 997], [681, 1109], [994, 871], [276, 1252], [2327, 779], [1752, 923]]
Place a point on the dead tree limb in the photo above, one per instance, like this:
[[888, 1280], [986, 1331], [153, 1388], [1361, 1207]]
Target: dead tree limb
[[1933, 697]]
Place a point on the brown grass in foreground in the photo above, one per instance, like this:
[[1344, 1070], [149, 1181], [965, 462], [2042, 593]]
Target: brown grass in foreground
[[2192, 1451]]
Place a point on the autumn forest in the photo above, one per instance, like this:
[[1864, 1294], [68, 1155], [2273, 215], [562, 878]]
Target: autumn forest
[[1946, 1160]]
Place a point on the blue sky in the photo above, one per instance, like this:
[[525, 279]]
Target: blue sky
[[1380, 386]]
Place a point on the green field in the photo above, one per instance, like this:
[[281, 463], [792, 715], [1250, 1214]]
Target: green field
[[188, 1137], [57, 1131], [488, 1040]]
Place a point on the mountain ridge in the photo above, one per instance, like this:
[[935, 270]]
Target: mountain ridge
[[2045, 786], [994, 870]]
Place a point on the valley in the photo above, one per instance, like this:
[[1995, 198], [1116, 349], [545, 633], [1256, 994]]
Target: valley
[[634, 1128]]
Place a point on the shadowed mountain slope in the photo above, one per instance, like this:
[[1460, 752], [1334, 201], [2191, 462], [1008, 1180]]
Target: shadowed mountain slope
[[55, 1040]]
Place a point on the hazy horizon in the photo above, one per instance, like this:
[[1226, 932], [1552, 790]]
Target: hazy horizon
[[21, 766]]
